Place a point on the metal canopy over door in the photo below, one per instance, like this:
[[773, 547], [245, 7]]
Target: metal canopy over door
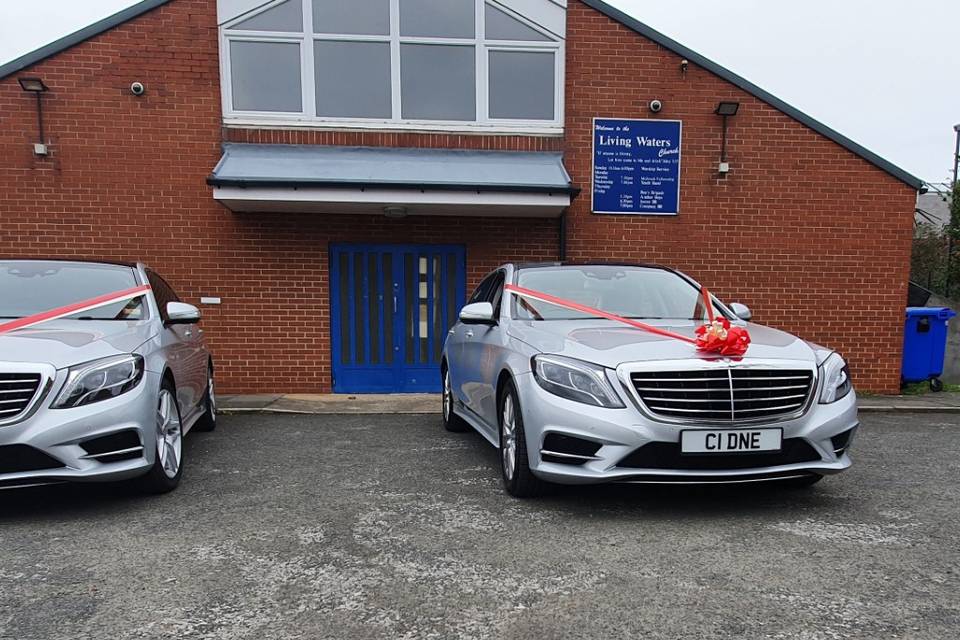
[[391, 307]]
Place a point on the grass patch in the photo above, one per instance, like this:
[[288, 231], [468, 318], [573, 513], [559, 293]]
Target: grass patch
[[922, 388]]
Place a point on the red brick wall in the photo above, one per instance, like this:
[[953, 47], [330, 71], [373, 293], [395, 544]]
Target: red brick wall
[[814, 239], [822, 237]]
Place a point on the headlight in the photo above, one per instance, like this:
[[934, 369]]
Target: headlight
[[100, 380], [575, 380], [836, 379]]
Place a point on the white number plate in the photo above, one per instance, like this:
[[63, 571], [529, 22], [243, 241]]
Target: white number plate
[[731, 441]]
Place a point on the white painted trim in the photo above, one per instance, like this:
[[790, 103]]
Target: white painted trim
[[246, 120], [308, 118], [350, 200]]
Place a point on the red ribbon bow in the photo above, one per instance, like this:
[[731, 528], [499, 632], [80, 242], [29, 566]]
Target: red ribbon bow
[[717, 336]]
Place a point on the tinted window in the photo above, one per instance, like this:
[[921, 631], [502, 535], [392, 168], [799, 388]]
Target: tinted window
[[366, 17], [438, 82], [634, 292], [162, 292], [522, 85], [27, 288], [265, 76], [483, 289], [353, 79], [495, 295], [438, 18], [283, 17]]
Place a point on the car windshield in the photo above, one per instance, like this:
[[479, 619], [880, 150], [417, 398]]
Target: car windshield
[[642, 293], [30, 287]]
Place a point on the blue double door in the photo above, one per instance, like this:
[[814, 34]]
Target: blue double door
[[391, 307]]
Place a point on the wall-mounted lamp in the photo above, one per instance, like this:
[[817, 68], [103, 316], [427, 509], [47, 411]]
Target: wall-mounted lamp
[[36, 85], [726, 110]]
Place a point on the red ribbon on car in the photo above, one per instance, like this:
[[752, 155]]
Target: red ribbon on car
[[717, 336], [76, 307]]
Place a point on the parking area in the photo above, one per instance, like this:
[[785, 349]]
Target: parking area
[[388, 527]]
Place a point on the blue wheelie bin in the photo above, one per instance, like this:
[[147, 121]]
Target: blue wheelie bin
[[924, 345]]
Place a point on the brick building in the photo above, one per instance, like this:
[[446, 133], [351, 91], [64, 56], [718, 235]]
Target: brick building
[[340, 211]]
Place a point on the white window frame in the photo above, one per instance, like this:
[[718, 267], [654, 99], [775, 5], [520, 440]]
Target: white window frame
[[309, 117]]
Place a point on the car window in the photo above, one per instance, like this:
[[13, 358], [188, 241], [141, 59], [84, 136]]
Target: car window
[[495, 294], [633, 292], [481, 293], [28, 287], [162, 292]]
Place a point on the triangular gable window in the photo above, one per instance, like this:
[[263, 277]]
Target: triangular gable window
[[502, 26], [284, 17]]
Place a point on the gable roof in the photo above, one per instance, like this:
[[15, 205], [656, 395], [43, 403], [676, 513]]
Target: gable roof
[[741, 82], [611, 12]]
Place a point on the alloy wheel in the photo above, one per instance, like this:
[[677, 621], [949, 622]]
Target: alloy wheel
[[447, 400], [169, 434], [508, 437], [211, 398]]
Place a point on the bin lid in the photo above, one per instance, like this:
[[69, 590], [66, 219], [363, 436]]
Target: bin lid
[[943, 313]]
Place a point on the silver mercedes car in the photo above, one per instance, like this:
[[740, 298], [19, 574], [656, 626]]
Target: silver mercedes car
[[573, 398], [106, 393]]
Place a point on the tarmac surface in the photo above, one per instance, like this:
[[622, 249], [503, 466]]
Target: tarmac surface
[[360, 526]]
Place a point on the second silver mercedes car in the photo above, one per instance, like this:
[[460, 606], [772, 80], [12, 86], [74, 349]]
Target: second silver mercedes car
[[106, 393], [570, 398]]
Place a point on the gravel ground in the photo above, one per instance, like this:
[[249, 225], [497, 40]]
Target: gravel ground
[[388, 527]]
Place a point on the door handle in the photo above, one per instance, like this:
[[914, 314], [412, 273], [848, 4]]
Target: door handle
[[469, 333], [394, 304], [188, 333]]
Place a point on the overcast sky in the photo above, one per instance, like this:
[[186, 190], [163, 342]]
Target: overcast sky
[[885, 73]]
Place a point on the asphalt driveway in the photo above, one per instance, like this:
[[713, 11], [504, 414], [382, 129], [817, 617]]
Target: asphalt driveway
[[388, 527]]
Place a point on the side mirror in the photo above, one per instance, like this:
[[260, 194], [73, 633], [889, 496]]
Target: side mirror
[[742, 311], [182, 313], [477, 313]]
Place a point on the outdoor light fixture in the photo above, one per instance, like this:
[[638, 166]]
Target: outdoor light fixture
[[395, 212], [36, 85], [726, 110]]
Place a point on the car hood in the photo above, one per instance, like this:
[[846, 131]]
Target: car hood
[[63, 343], [610, 344]]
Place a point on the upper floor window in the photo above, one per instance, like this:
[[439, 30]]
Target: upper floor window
[[446, 64]]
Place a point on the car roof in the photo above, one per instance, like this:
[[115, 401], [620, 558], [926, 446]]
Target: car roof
[[118, 263], [569, 263]]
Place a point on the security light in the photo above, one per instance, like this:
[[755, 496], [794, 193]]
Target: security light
[[727, 109], [37, 87], [33, 85]]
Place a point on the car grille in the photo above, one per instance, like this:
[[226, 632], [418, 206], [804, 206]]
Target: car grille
[[724, 395], [667, 455], [16, 392]]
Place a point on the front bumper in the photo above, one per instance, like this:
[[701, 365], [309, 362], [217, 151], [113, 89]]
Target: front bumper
[[55, 436], [623, 432]]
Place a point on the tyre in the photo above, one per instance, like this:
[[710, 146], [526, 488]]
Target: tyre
[[518, 480], [804, 482], [208, 421], [451, 421], [936, 385], [167, 467]]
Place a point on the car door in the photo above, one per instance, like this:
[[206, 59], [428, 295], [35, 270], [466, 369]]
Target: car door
[[481, 346], [459, 334], [181, 344]]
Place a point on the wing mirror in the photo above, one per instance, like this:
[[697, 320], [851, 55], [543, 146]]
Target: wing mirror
[[742, 311], [477, 313], [182, 313]]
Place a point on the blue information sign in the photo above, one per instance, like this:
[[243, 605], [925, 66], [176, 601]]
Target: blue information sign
[[636, 166]]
